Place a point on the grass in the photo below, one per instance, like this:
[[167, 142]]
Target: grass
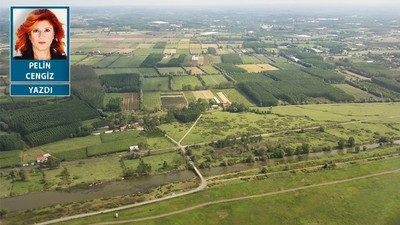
[[176, 130], [214, 79], [76, 58], [257, 68], [106, 61], [90, 60], [357, 93], [173, 158], [210, 70], [173, 102], [151, 100], [61, 147], [179, 82], [109, 96], [350, 201], [151, 72], [10, 158], [194, 70], [189, 96], [128, 61], [171, 71], [155, 84], [235, 96]]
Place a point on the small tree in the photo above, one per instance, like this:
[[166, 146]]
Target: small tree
[[351, 142], [52, 162], [264, 169], [340, 144], [22, 175], [3, 212]]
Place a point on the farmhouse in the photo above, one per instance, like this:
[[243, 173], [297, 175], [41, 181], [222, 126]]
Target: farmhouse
[[43, 158]]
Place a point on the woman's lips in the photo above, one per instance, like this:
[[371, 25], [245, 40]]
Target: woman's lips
[[42, 42]]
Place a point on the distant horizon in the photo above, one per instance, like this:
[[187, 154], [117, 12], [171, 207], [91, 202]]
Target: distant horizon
[[222, 3]]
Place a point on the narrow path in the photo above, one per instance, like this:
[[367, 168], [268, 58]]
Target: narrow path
[[202, 186], [250, 197], [190, 129]]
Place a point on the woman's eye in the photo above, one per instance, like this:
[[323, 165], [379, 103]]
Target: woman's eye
[[35, 31], [47, 30]]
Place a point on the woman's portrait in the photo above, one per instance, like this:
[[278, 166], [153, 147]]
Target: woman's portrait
[[40, 37]]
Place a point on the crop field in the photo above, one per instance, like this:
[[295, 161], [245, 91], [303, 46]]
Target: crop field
[[206, 94], [90, 60], [173, 100], [105, 62], [151, 100], [216, 59], [128, 61], [130, 101], [194, 70], [223, 98], [148, 72], [76, 58], [108, 96], [178, 83], [155, 84], [250, 77], [357, 93], [214, 79], [209, 46], [169, 51], [183, 46], [210, 70], [171, 71], [249, 59], [189, 96], [147, 51], [263, 59], [257, 68]]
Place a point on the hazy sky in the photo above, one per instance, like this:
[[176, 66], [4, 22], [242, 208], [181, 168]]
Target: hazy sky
[[7, 3]]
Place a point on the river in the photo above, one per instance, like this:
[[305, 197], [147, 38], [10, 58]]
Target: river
[[142, 184]]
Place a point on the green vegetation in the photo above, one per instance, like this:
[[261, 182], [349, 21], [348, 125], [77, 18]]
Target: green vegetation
[[230, 68], [160, 45], [10, 158], [151, 100], [231, 58], [121, 82], [213, 80], [106, 61], [128, 61], [210, 70], [304, 201], [186, 83], [151, 60], [155, 84]]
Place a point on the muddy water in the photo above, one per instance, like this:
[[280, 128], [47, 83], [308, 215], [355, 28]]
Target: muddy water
[[107, 189]]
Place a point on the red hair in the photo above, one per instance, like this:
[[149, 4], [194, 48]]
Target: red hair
[[23, 44]]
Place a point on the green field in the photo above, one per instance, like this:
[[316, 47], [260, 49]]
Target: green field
[[235, 96], [147, 51], [179, 82], [150, 72], [357, 93], [210, 70], [171, 71], [90, 60], [106, 61], [217, 125], [169, 102], [155, 84], [76, 58], [214, 79], [61, 147], [173, 158], [348, 202], [128, 61], [108, 96], [10, 158], [152, 100], [189, 96]]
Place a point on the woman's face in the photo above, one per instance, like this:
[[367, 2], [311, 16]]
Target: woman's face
[[42, 35]]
